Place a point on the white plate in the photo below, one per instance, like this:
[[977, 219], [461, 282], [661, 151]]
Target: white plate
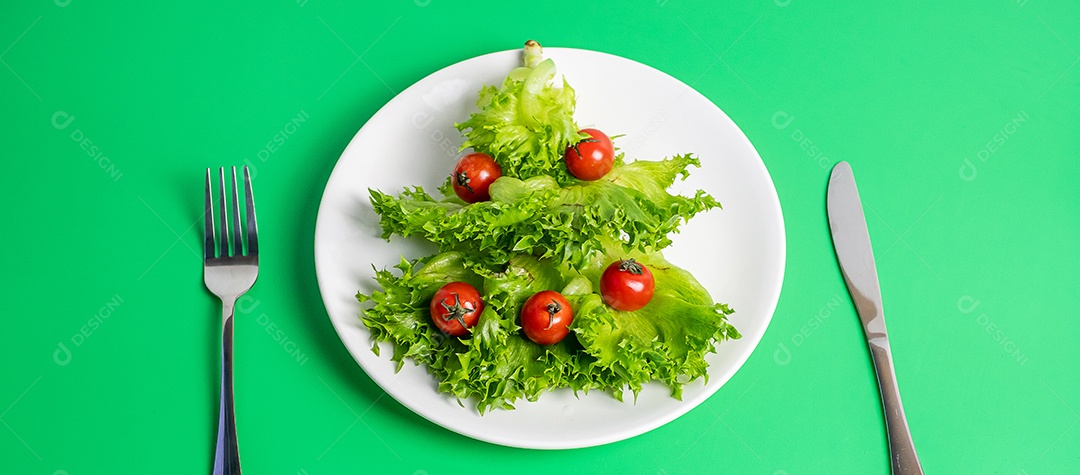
[[737, 252]]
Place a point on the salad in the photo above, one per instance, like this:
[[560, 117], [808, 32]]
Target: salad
[[549, 272]]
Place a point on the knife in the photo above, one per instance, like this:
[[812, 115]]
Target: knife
[[851, 240]]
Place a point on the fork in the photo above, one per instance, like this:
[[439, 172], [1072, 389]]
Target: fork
[[229, 272]]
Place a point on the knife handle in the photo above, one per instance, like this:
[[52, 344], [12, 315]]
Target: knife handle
[[901, 447]]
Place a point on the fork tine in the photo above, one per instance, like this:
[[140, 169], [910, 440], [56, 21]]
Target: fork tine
[[208, 222], [223, 236], [237, 242], [252, 229]]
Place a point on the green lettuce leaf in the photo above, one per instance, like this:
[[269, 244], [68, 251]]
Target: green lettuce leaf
[[666, 340], [536, 216], [526, 124], [400, 314], [496, 366]]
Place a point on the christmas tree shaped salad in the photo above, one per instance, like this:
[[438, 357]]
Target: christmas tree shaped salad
[[549, 272]]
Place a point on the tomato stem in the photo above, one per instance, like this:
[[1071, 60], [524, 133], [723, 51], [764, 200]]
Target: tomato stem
[[578, 151], [552, 309], [456, 311], [463, 180], [629, 265]]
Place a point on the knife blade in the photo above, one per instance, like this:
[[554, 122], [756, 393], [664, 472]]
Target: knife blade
[[851, 239]]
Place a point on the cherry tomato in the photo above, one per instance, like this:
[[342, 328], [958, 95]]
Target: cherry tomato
[[472, 176], [546, 316], [627, 285], [455, 308], [592, 158]]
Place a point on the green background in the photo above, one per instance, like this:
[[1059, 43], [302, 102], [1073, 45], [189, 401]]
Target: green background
[[961, 122]]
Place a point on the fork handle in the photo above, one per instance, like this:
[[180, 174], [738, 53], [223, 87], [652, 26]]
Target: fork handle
[[227, 454]]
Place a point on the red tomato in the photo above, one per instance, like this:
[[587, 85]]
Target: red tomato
[[592, 158], [546, 316], [472, 176], [455, 308], [626, 285]]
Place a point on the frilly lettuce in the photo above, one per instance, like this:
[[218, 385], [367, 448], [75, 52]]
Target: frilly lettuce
[[538, 217], [607, 350], [526, 124], [545, 230]]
